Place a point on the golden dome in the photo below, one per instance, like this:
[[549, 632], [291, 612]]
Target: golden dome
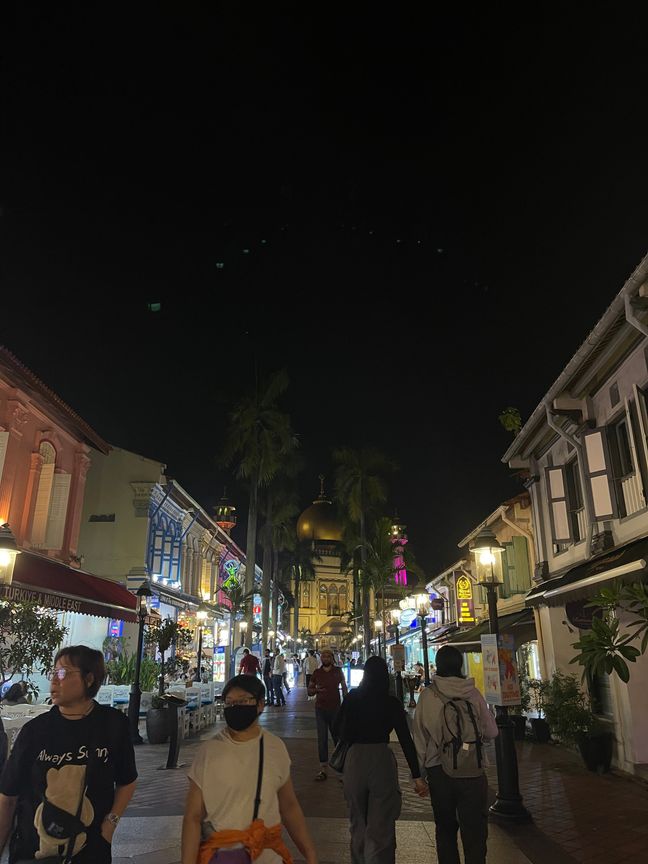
[[319, 521]]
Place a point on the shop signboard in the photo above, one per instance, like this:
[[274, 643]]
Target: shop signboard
[[465, 599], [115, 628], [220, 663], [398, 657], [407, 616], [256, 608]]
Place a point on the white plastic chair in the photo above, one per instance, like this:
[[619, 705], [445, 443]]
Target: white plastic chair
[[105, 694]]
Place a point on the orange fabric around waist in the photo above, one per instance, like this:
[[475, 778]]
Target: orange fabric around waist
[[256, 838]]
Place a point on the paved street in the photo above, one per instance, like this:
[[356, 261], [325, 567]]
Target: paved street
[[578, 816]]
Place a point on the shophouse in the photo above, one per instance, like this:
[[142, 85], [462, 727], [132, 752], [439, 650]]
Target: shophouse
[[585, 453]]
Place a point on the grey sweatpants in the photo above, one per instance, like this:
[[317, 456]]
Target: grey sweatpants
[[374, 798]]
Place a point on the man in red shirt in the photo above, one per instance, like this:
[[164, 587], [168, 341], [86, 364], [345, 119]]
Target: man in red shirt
[[325, 684], [249, 664]]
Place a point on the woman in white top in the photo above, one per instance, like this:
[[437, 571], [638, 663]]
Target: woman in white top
[[224, 785]]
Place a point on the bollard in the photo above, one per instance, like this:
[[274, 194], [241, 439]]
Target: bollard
[[173, 704]]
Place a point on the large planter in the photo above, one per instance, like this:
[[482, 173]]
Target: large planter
[[596, 751], [541, 730], [157, 725], [519, 721]]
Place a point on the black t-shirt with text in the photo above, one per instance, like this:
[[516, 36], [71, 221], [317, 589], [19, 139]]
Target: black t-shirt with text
[[50, 758]]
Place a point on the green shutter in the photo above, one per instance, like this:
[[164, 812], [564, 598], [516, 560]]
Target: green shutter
[[508, 570], [522, 582]]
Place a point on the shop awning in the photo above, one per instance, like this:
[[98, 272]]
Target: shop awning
[[520, 624], [442, 634], [584, 580], [54, 585]]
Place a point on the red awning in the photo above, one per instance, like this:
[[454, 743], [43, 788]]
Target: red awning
[[56, 586]]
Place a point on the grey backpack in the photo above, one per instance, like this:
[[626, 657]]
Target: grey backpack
[[461, 737]]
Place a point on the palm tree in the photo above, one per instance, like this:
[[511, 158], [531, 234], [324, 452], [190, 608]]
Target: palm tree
[[259, 435], [360, 488], [239, 602], [302, 559]]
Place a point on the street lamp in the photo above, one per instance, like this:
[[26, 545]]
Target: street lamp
[[508, 802], [423, 606], [243, 627], [201, 615], [394, 614], [143, 595], [378, 628], [8, 553]]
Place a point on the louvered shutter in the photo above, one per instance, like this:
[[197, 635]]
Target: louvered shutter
[[57, 511], [4, 441], [41, 509], [640, 402], [558, 509], [522, 569], [599, 475]]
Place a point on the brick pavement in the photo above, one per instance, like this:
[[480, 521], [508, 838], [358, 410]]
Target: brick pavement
[[577, 816]]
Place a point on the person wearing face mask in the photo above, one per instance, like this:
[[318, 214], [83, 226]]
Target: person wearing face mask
[[240, 791]]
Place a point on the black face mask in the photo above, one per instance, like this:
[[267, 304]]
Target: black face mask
[[240, 717]]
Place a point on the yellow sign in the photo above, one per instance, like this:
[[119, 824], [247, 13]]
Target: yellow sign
[[465, 602]]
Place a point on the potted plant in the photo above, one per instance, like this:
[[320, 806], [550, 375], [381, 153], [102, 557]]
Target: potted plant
[[518, 713], [161, 637], [539, 724], [570, 716]]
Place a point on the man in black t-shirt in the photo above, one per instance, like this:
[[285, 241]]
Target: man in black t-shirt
[[76, 758]]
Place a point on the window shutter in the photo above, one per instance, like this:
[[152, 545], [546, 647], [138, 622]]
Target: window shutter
[[599, 474], [508, 570], [57, 511], [4, 441], [41, 509], [640, 402], [522, 569], [557, 497], [633, 453]]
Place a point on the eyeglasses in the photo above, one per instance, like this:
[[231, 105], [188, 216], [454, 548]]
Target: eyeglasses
[[249, 701], [61, 673]]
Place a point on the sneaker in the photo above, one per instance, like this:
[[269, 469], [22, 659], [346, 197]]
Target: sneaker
[[321, 776]]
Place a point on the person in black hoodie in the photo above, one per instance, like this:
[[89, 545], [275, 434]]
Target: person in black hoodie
[[365, 721]]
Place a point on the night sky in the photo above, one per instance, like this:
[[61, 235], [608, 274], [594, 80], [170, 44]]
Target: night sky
[[420, 219]]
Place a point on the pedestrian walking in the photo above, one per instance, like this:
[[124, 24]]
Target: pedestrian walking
[[267, 677], [365, 721], [71, 772], [451, 722], [325, 685], [249, 664], [278, 672], [310, 664], [240, 791]]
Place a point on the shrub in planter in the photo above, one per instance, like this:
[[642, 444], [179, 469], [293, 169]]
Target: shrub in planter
[[157, 721], [518, 713], [537, 692], [569, 712]]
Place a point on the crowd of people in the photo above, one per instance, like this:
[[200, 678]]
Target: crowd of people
[[71, 773]]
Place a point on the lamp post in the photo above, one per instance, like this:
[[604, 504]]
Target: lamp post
[[8, 553], [143, 595], [395, 619], [201, 614], [243, 627], [271, 634], [508, 802], [423, 605], [378, 627]]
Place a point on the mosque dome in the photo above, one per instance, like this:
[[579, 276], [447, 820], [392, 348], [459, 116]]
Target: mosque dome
[[319, 521]]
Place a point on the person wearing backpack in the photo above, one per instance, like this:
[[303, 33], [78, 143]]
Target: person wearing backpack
[[451, 724]]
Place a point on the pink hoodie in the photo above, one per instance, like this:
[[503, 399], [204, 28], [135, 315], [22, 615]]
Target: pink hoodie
[[426, 729]]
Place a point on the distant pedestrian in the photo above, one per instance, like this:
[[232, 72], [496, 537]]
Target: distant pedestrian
[[249, 664], [365, 721], [267, 677], [71, 772], [325, 685], [310, 664], [278, 671], [451, 721], [240, 791]]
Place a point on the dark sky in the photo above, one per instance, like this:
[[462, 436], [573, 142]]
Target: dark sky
[[421, 219]]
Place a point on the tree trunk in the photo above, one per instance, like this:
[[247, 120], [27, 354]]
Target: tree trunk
[[250, 548], [267, 571], [365, 584], [275, 593], [161, 684]]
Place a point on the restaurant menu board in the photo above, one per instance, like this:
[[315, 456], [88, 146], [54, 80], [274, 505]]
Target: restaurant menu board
[[220, 664]]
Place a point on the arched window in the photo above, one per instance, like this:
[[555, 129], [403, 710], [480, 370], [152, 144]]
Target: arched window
[[342, 599], [333, 608], [44, 496], [306, 594], [323, 600]]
